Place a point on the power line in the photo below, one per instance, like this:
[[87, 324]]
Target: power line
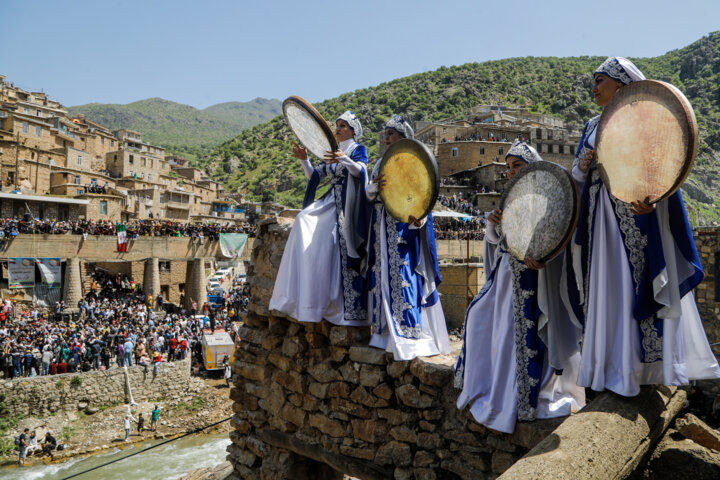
[[145, 449]]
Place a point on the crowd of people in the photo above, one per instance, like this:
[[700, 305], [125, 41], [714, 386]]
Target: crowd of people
[[10, 227], [456, 229], [118, 325], [459, 204]]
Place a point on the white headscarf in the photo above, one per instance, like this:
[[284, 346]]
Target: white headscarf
[[353, 121], [620, 69], [524, 151], [399, 124]]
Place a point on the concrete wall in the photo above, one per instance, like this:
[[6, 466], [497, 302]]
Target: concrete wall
[[104, 248], [39, 396]]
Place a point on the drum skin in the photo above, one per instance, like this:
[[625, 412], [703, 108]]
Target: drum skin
[[412, 182], [646, 141], [540, 208], [309, 126]]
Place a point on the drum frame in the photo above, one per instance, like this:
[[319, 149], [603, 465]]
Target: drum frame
[[307, 106], [575, 210], [400, 144], [692, 130]]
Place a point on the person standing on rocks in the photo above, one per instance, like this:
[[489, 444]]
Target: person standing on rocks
[[155, 414], [126, 425], [22, 445], [140, 424], [128, 352], [228, 371]]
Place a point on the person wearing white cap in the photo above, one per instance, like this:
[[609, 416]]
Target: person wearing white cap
[[319, 275], [403, 275], [634, 266], [520, 352]]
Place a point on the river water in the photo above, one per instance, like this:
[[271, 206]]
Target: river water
[[170, 461]]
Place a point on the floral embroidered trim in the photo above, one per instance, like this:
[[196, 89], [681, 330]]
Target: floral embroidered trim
[[523, 353], [635, 241], [593, 194], [652, 342], [350, 295], [399, 305], [591, 126], [613, 69], [377, 271]]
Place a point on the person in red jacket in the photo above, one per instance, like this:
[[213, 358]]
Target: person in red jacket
[[183, 348], [173, 346], [157, 359]]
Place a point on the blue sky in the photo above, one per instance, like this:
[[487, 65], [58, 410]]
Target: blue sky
[[206, 52]]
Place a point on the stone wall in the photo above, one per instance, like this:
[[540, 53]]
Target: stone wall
[[312, 400], [707, 293], [40, 396], [460, 283]]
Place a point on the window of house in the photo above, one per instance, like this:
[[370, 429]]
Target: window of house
[[163, 166], [115, 158], [444, 130], [500, 151], [79, 159], [102, 140], [482, 150], [150, 177], [76, 179], [38, 131], [454, 152], [25, 127], [112, 143], [164, 266], [132, 159], [103, 207], [144, 161], [38, 113]]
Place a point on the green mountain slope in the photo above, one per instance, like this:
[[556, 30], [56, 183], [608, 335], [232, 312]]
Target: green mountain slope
[[182, 128], [258, 160]]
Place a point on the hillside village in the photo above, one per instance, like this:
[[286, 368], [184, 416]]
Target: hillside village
[[54, 166]]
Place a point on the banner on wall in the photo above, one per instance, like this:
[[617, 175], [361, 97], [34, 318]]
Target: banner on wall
[[50, 272], [21, 272]]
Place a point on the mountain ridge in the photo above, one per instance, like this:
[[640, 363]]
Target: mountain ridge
[[258, 160], [181, 128]]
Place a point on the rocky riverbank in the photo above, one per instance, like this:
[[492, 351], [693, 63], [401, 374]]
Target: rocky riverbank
[[88, 431]]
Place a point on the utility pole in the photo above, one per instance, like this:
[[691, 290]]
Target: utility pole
[[17, 157]]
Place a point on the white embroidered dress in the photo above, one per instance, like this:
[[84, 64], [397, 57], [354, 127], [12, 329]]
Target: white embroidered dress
[[309, 284], [612, 352]]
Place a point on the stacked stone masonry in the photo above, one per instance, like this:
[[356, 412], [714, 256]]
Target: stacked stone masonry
[[41, 396], [314, 401]]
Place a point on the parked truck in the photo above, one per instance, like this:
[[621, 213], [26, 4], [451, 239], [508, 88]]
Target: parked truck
[[216, 346]]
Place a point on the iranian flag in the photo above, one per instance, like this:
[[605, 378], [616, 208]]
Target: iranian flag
[[121, 237]]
